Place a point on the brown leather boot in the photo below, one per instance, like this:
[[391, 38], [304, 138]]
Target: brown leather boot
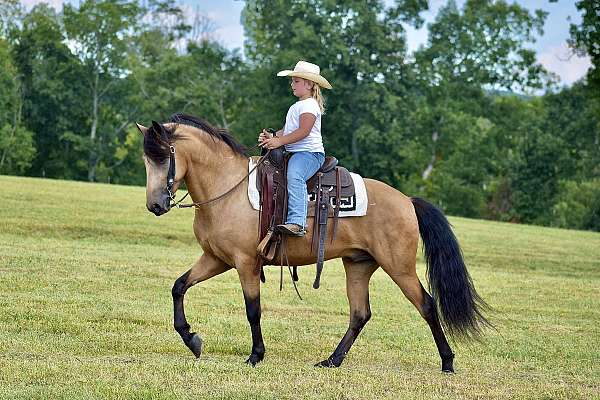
[[291, 229]]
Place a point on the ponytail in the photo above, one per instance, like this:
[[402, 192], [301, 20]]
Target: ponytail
[[316, 94]]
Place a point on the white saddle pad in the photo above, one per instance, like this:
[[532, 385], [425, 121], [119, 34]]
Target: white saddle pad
[[355, 206]]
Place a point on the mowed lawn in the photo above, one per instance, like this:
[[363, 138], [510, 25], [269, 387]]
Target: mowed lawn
[[86, 312]]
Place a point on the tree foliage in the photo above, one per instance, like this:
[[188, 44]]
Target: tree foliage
[[16, 142], [443, 122], [484, 43], [362, 47], [585, 37]]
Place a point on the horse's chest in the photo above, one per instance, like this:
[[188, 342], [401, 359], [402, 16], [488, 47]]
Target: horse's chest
[[203, 238], [215, 243]]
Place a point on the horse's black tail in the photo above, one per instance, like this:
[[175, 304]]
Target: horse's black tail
[[459, 305]]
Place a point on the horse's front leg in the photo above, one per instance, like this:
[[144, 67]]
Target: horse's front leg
[[250, 280], [206, 267]]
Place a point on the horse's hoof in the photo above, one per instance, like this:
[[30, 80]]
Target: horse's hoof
[[328, 364], [447, 366], [253, 360], [195, 345]]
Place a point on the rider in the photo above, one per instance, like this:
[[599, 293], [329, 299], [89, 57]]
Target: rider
[[301, 136]]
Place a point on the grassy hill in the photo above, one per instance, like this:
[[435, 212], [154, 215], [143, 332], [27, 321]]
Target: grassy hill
[[85, 312]]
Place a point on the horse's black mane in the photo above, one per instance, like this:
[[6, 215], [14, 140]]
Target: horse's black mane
[[159, 137]]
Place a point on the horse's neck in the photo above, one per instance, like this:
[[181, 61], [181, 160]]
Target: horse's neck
[[210, 175]]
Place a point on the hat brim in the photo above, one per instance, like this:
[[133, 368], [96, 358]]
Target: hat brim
[[318, 79]]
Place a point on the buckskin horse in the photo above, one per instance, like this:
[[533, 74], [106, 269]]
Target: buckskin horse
[[214, 167]]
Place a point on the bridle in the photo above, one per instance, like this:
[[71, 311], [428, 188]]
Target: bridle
[[171, 173], [171, 182], [169, 188]]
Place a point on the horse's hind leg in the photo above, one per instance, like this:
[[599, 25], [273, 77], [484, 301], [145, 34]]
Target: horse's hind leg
[[409, 283], [206, 267], [358, 274], [431, 316]]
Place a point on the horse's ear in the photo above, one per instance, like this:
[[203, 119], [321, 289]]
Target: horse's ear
[[143, 130], [157, 127]]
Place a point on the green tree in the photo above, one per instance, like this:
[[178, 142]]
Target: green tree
[[517, 124], [578, 205], [361, 48], [573, 117], [52, 95], [152, 71], [541, 144], [100, 32], [11, 13], [484, 44], [585, 38], [16, 142], [471, 54]]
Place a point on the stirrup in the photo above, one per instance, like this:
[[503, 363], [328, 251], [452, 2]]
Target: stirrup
[[287, 229]]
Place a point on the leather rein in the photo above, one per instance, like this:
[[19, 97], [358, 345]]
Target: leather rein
[[171, 182]]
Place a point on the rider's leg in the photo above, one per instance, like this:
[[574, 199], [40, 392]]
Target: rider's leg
[[301, 166]]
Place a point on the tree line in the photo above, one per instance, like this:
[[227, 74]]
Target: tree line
[[454, 121]]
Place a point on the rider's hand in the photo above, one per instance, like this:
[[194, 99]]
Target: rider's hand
[[272, 143], [264, 135]]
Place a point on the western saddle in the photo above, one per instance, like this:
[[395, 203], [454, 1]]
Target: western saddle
[[325, 188]]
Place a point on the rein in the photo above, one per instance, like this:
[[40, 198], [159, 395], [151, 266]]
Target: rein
[[171, 180]]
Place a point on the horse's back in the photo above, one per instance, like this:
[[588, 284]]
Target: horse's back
[[388, 202]]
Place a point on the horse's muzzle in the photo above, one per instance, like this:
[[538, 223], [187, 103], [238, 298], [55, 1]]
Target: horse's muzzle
[[161, 207], [157, 209]]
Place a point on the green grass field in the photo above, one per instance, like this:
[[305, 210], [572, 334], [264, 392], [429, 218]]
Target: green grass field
[[85, 312]]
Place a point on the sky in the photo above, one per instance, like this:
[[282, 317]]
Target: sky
[[551, 48]]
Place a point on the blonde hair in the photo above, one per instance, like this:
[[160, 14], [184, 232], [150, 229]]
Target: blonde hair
[[316, 94]]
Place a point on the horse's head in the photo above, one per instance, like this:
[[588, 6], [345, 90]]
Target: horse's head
[[165, 168]]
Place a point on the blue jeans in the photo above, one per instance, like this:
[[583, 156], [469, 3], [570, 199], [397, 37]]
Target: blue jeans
[[302, 165]]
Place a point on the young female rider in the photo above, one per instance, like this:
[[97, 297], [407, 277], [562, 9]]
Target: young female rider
[[301, 136]]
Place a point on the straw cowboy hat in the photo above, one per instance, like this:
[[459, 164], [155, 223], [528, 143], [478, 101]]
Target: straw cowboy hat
[[309, 71]]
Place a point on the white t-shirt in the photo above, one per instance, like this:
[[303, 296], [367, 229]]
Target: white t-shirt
[[313, 142]]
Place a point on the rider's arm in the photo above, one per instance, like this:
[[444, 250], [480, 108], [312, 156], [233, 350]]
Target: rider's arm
[[307, 121]]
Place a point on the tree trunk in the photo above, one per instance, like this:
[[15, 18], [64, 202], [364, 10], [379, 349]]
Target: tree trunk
[[429, 169], [354, 139], [435, 136], [222, 110], [93, 159]]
